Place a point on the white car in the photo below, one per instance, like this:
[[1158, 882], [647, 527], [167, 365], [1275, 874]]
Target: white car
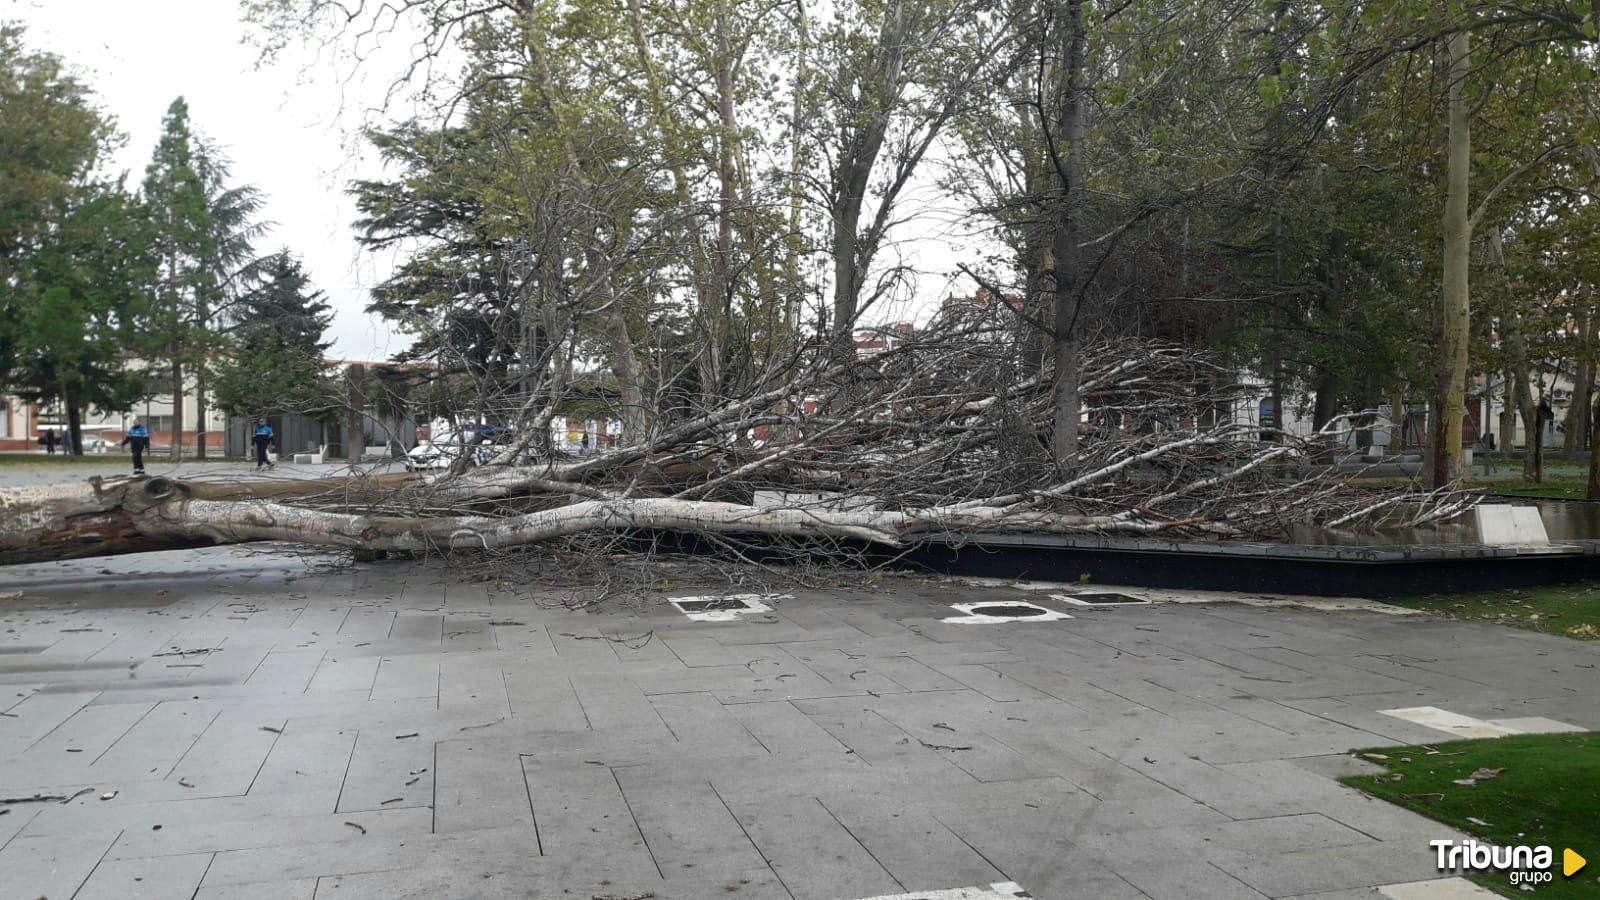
[[442, 453]]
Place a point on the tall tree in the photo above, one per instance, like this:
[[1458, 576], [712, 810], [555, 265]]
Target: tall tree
[[82, 297], [175, 196], [52, 136], [274, 360], [231, 264]]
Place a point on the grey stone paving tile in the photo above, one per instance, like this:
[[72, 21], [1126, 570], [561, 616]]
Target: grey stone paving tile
[[297, 889], [916, 850], [17, 817], [51, 866], [1037, 852], [1302, 790], [234, 743], [912, 674], [167, 878], [466, 632], [339, 672], [784, 730], [880, 742], [306, 759], [73, 746], [1171, 877], [468, 681], [385, 772], [1351, 894], [156, 742], [1335, 868], [286, 670], [988, 681], [406, 676], [477, 786], [91, 816], [701, 719], [698, 652], [616, 702], [755, 884], [181, 837], [574, 807], [552, 702], [367, 624], [814, 856], [33, 716], [837, 669], [689, 830], [424, 628]]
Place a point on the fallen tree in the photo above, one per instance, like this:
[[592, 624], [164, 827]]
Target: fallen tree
[[937, 435]]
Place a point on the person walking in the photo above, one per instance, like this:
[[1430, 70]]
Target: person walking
[[137, 440], [262, 438], [49, 440]]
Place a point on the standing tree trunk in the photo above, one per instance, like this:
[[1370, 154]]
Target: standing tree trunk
[[1593, 493], [200, 412], [1454, 310], [176, 451], [1508, 412], [355, 442], [1577, 424], [1064, 245], [71, 399]]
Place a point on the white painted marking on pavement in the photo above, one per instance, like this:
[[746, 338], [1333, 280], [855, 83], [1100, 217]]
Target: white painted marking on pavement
[[1468, 727], [971, 618], [1004, 890], [752, 603]]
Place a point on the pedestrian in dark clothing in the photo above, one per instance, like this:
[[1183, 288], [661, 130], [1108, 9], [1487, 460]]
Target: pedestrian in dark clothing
[[137, 440], [262, 438], [49, 440]]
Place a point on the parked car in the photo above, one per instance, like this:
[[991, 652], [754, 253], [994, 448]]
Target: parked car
[[443, 451]]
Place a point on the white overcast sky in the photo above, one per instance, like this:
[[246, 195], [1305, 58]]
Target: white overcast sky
[[289, 129], [286, 127]]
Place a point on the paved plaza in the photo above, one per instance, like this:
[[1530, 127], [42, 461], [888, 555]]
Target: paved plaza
[[238, 723]]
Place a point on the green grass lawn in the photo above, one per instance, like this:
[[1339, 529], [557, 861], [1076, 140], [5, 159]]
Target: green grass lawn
[[1547, 792], [1572, 610]]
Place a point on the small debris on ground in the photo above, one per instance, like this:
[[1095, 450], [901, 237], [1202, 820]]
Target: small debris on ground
[[358, 827], [401, 737], [109, 795]]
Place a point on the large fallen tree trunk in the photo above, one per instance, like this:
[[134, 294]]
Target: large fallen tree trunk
[[936, 436]]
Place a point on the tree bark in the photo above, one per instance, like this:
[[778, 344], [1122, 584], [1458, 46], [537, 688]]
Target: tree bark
[[70, 397], [1508, 411], [1593, 492], [1068, 347], [1577, 423], [176, 451], [355, 441], [200, 411], [1455, 315]]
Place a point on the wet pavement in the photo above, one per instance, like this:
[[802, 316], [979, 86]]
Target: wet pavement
[[253, 723]]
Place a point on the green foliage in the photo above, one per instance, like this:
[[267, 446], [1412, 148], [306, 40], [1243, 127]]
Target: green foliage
[[51, 137], [180, 216], [73, 250], [275, 361], [80, 299]]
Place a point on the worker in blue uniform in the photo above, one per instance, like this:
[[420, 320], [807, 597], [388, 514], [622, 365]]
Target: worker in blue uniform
[[262, 438], [137, 440]]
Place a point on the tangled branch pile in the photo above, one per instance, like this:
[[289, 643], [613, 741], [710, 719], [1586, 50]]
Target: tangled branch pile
[[946, 431]]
